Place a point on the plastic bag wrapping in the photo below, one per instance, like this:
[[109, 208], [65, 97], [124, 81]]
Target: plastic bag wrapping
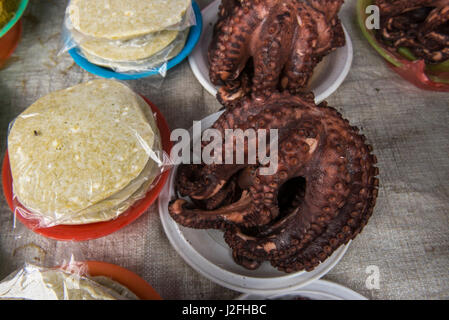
[[136, 47], [68, 281], [157, 62], [84, 154]]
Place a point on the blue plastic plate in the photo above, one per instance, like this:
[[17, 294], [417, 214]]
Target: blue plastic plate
[[192, 40]]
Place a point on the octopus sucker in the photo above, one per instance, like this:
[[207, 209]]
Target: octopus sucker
[[266, 45], [321, 195], [422, 26]]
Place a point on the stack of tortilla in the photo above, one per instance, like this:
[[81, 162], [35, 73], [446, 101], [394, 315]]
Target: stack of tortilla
[[84, 154], [37, 283], [129, 35]]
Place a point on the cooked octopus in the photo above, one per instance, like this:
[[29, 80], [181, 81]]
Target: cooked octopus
[[265, 45], [422, 26], [320, 197]]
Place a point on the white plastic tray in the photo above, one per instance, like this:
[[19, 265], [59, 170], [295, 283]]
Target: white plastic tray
[[318, 290]]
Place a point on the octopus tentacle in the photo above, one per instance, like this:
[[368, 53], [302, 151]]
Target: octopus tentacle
[[269, 62], [205, 219], [228, 50], [300, 66], [201, 182]]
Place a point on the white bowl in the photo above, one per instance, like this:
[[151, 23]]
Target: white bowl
[[206, 252], [327, 77], [318, 290]]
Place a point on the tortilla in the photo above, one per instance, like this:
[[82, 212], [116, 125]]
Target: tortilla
[[154, 61], [125, 19], [77, 147], [128, 50], [37, 283], [112, 207]]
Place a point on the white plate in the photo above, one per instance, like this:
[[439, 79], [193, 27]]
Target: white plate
[[327, 77], [318, 290], [206, 252]]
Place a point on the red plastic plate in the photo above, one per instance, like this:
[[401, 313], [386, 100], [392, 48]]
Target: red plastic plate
[[9, 42], [125, 277], [100, 229]]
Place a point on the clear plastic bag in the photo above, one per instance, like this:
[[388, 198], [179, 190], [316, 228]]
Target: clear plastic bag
[[84, 154], [148, 49], [157, 62], [68, 281]]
